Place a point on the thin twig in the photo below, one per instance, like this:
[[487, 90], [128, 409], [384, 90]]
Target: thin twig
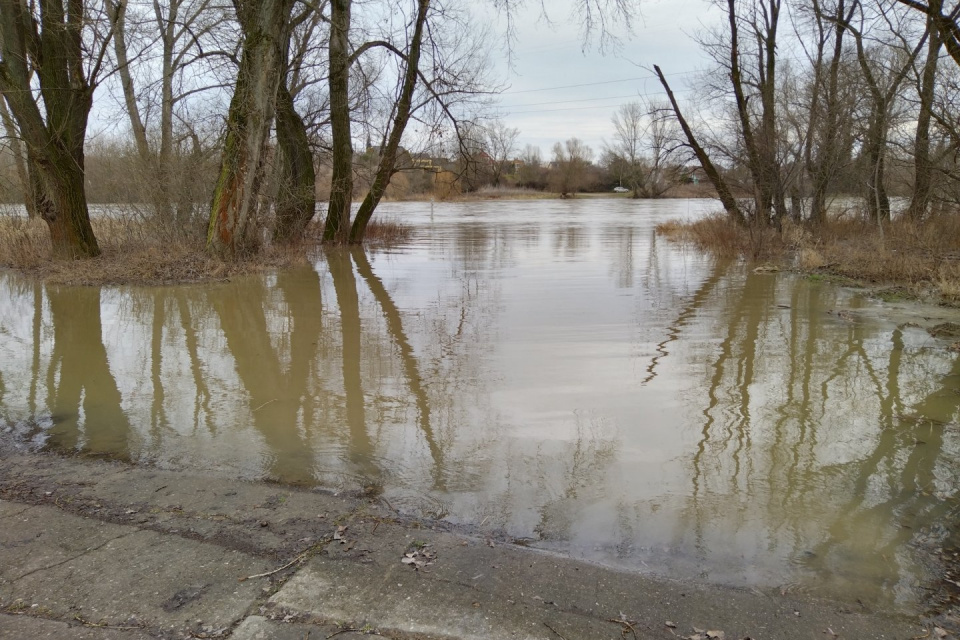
[[344, 630], [101, 625], [286, 566], [627, 625], [554, 630], [263, 405]]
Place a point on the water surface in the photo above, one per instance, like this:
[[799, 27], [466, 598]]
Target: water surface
[[545, 370]]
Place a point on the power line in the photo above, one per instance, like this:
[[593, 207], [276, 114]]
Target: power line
[[601, 106], [594, 84], [537, 104]]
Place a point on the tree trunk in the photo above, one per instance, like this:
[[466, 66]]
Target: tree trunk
[[234, 221], [878, 202], [923, 167], [341, 181], [296, 198], [64, 208], [54, 135], [388, 155], [821, 169], [16, 148], [713, 174]]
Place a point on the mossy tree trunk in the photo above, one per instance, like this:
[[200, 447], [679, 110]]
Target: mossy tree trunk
[[48, 42], [234, 226], [296, 197]]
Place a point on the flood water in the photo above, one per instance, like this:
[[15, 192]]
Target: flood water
[[544, 370]]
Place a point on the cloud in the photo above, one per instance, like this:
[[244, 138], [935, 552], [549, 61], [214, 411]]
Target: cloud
[[562, 87]]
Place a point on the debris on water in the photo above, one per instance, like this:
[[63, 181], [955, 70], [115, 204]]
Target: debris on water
[[945, 330]]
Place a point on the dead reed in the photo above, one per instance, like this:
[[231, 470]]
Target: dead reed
[[922, 259]]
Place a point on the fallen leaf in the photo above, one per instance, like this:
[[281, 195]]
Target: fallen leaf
[[941, 633], [672, 625], [716, 635]]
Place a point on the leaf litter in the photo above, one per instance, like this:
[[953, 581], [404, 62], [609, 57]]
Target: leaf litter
[[419, 558]]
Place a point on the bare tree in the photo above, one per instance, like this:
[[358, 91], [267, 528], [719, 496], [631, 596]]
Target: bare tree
[[571, 160], [719, 183], [758, 131], [234, 213], [531, 168], [296, 200], [882, 73], [828, 136], [642, 147], [341, 182], [180, 34], [501, 142], [63, 43], [629, 129], [926, 86], [19, 160]]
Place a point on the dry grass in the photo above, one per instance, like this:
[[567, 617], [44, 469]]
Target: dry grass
[[922, 259], [136, 252], [717, 235]]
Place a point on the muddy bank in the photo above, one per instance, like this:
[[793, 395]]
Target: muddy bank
[[96, 549]]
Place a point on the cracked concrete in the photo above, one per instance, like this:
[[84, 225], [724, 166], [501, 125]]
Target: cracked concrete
[[100, 550]]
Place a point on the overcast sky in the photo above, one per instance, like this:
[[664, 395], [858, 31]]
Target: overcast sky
[[558, 89]]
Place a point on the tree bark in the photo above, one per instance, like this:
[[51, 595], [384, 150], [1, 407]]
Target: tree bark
[[233, 226], [341, 181], [296, 198]]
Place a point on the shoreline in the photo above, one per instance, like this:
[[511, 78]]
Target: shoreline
[[115, 550]]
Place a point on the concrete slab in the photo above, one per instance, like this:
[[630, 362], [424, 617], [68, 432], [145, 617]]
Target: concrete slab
[[24, 627], [471, 590], [32, 538], [133, 577], [261, 628]]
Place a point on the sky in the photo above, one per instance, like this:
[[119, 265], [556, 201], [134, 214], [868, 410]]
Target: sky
[[558, 89]]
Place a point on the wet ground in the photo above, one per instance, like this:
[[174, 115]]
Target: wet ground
[[106, 551]]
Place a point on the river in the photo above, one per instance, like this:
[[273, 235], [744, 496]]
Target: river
[[549, 371]]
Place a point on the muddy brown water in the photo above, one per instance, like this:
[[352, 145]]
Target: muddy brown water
[[549, 371]]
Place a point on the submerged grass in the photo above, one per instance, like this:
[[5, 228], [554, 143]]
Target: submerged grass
[[135, 251], [903, 260]]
